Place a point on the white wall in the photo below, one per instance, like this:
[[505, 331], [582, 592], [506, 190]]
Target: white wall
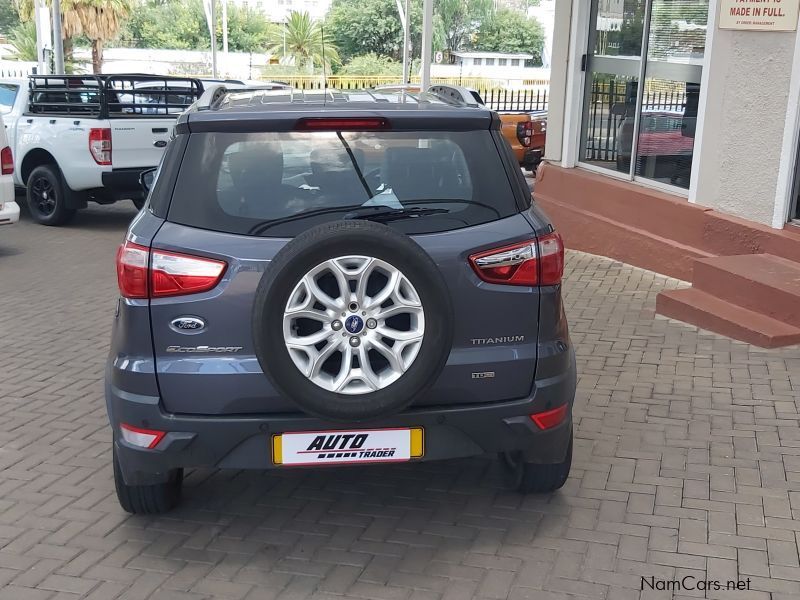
[[747, 89]]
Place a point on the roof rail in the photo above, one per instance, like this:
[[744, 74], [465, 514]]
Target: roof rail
[[212, 93], [456, 93]]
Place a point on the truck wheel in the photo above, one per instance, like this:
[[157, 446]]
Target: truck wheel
[[535, 478], [147, 499], [47, 196]]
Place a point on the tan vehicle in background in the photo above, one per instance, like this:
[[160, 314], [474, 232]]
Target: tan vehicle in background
[[525, 132]]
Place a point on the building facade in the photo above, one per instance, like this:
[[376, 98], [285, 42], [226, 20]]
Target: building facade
[[657, 93], [673, 131]]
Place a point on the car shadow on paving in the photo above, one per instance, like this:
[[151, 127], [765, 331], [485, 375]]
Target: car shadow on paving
[[687, 462]]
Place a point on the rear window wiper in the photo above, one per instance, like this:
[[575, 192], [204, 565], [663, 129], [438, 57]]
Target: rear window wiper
[[383, 214]]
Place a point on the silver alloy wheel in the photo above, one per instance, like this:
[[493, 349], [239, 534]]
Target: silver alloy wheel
[[353, 324]]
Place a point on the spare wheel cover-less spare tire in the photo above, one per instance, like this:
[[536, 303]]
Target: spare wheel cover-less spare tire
[[352, 321]]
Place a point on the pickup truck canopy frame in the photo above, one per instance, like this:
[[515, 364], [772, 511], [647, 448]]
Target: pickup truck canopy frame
[[111, 96]]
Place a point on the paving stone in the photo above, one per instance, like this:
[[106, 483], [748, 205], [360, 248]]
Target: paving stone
[[686, 461]]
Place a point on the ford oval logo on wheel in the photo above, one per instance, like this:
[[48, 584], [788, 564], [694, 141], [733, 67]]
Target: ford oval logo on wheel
[[187, 324]]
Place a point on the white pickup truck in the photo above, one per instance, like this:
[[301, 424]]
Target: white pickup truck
[[80, 138]]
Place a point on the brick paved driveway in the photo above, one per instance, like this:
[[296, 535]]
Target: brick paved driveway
[[687, 462]]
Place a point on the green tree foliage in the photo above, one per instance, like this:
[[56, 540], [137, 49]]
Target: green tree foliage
[[372, 64], [303, 41], [511, 31], [23, 38], [458, 20], [181, 24], [9, 17], [371, 27], [248, 30]]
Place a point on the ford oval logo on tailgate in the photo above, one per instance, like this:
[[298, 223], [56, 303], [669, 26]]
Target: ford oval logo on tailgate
[[188, 324]]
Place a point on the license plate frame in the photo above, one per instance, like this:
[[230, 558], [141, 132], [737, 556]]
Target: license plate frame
[[341, 447]]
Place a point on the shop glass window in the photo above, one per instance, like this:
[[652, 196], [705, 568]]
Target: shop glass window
[[649, 132]]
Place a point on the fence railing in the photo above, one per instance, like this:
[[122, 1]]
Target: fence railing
[[495, 93], [515, 100], [350, 82]]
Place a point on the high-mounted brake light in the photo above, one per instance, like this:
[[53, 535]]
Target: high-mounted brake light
[[534, 262], [142, 273], [143, 438], [341, 124], [6, 161], [100, 145]]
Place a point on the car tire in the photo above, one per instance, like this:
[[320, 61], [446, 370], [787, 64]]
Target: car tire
[[147, 499], [534, 478], [46, 196], [351, 238]]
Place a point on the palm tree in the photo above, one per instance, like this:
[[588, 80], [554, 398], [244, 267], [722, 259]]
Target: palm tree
[[98, 20], [23, 39], [303, 41]]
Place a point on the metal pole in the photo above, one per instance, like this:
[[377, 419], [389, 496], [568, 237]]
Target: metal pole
[[427, 42], [224, 35], [406, 40], [213, 31], [58, 42], [39, 37]]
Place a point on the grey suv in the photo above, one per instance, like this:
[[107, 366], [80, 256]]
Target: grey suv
[[337, 279]]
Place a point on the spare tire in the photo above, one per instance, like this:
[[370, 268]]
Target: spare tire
[[352, 321]]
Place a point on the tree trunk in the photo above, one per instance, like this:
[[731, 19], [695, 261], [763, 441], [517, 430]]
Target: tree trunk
[[97, 56], [69, 67]]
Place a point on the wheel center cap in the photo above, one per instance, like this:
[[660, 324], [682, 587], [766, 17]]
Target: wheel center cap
[[354, 324]]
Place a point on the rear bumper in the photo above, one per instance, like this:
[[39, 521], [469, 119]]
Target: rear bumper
[[123, 183], [9, 213], [244, 442]]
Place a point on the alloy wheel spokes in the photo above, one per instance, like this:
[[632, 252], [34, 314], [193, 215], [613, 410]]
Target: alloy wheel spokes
[[353, 324]]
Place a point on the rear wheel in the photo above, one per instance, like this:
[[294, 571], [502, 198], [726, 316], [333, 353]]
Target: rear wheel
[[148, 499], [534, 478], [47, 196]]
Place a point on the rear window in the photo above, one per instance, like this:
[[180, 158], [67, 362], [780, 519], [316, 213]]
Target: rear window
[[282, 183]]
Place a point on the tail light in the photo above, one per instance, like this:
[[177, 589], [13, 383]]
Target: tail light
[[6, 161], [100, 145], [145, 273], [525, 133], [535, 262]]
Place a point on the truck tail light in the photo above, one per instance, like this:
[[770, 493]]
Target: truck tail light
[[6, 161], [100, 145], [533, 262], [145, 273], [525, 133]]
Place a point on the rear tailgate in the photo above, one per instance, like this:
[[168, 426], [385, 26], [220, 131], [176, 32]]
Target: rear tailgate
[[139, 142], [143, 110]]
